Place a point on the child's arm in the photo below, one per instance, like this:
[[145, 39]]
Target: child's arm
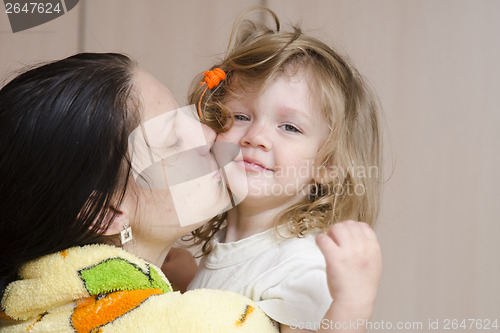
[[180, 268], [353, 267]]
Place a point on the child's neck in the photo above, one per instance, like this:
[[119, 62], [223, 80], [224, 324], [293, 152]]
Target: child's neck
[[243, 223]]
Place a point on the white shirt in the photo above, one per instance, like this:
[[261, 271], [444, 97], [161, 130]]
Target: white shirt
[[285, 277]]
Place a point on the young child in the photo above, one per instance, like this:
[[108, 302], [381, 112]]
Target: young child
[[307, 128]]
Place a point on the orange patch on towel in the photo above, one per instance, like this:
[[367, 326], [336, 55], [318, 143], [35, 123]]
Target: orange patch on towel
[[93, 312], [248, 310], [37, 320], [4, 316]]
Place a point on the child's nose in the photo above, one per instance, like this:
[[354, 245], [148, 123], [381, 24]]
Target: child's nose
[[257, 135]]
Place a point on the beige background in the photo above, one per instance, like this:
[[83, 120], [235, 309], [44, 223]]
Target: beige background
[[435, 65]]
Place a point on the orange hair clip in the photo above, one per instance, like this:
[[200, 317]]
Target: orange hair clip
[[212, 79]]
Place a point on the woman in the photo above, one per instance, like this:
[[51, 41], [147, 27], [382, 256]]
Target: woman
[[72, 176], [94, 152]]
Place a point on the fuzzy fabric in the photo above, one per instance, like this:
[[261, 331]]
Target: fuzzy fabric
[[101, 288]]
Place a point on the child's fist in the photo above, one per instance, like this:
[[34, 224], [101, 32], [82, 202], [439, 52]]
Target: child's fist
[[353, 262]]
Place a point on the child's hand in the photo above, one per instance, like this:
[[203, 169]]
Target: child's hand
[[180, 268], [353, 262]]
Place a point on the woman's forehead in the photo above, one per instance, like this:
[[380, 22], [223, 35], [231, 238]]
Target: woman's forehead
[[155, 98]]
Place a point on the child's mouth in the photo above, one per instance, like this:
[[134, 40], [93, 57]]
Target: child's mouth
[[254, 165]]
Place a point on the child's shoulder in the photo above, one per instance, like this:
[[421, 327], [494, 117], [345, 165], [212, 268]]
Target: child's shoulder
[[299, 248]]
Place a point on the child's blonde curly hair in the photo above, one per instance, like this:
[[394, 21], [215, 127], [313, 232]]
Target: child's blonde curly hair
[[350, 159]]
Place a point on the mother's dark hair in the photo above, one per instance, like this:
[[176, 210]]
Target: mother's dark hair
[[64, 128]]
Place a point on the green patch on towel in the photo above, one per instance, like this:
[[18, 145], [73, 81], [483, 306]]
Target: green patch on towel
[[119, 274]]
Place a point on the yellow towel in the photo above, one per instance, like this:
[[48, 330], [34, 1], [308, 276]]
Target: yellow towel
[[101, 288]]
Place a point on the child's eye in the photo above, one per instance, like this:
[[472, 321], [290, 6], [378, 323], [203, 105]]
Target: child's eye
[[290, 128], [241, 117]]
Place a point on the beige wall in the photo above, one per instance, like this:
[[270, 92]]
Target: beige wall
[[435, 66]]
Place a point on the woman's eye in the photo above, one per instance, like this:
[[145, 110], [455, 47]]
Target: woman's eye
[[241, 117], [174, 145], [290, 128]]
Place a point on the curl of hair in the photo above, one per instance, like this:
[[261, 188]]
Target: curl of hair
[[64, 130], [350, 159]]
